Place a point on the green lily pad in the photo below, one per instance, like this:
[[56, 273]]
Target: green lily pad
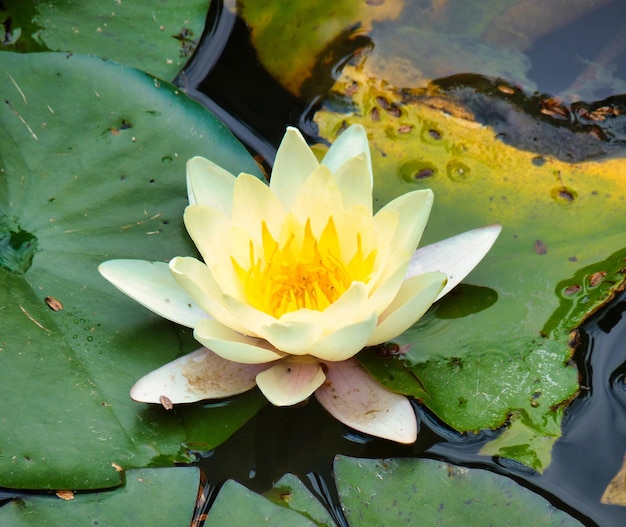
[[92, 157], [237, 505], [156, 37], [503, 346], [164, 496], [290, 492], [428, 492]]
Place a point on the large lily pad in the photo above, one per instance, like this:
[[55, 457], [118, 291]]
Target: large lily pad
[[500, 348], [92, 159], [156, 37], [428, 492], [237, 505], [164, 496]]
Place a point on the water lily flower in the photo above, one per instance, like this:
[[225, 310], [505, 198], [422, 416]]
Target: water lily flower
[[295, 279]]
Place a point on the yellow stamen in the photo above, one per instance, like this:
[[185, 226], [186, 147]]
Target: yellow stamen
[[304, 272]]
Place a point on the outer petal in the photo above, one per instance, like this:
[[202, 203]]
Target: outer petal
[[234, 346], [351, 143], [209, 228], [289, 382], [199, 375], [455, 256], [209, 184], [152, 285], [413, 209], [294, 162], [416, 295], [356, 399], [196, 278]]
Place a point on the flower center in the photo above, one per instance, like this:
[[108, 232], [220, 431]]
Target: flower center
[[304, 272]]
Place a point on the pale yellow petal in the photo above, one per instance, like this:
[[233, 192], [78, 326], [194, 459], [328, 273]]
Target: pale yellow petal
[[346, 341], [351, 142], [209, 228], [386, 285], [254, 203], [414, 298], [288, 382], [355, 398], [234, 346], [151, 284], [319, 198], [194, 377], [294, 332], [413, 209], [353, 180], [197, 280], [355, 226], [294, 163], [209, 184]]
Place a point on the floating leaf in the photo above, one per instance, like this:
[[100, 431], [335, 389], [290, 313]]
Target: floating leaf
[[155, 37], [237, 505], [428, 492], [92, 157], [290, 492], [164, 496]]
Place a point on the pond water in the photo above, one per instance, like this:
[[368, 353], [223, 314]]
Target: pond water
[[580, 59]]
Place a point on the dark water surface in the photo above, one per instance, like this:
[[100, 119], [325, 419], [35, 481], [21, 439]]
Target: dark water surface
[[226, 76]]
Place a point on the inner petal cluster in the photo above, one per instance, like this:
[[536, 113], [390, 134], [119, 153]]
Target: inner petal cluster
[[301, 271]]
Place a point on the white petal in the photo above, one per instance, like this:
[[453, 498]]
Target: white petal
[[152, 285], [415, 296], [294, 162], [194, 377], [290, 382], [209, 184], [355, 398], [234, 346], [455, 256], [351, 142]]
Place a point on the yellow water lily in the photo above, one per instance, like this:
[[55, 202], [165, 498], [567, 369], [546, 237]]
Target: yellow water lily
[[295, 279]]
